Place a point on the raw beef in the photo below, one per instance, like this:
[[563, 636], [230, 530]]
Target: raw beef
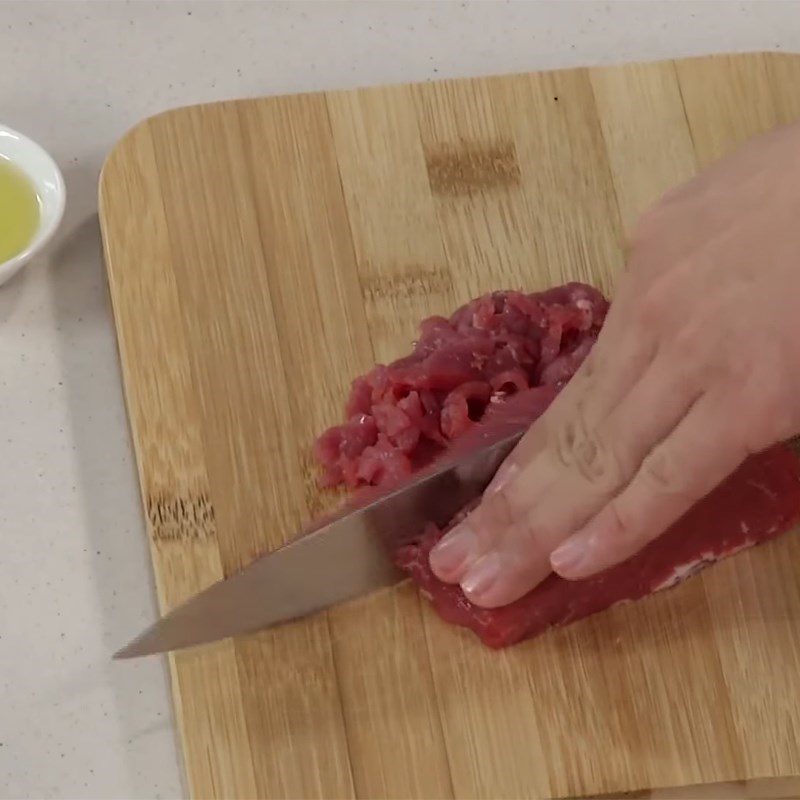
[[401, 415], [499, 362], [758, 502]]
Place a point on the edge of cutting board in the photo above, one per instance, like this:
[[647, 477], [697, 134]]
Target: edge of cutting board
[[443, 80]]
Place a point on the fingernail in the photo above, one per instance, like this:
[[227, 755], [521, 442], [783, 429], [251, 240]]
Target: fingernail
[[568, 556], [453, 551], [482, 576]]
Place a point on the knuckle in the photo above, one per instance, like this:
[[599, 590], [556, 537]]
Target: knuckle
[[655, 305], [663, 473], [622, 528], [686, 364], [625, 533], [651, 308], [497, 508], [485, 531], [539, 535], [579, 448], [593, 366], [689, 348]]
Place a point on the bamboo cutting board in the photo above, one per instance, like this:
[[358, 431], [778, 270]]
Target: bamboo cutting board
[[260, 254]]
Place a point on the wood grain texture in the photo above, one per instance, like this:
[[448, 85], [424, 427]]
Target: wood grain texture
[[260, 254], [380, 643]]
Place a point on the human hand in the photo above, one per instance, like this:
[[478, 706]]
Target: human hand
[[697, 366]]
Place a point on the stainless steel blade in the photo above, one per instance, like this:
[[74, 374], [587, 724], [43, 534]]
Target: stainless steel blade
[[347, 557]]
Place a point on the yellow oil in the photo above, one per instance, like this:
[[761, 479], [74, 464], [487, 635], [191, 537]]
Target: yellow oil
[[19, 210]]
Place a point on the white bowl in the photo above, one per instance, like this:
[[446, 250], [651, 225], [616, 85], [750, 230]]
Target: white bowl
[[48, 183]]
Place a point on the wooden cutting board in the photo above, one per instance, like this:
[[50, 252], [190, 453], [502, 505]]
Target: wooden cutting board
[[263, 252]]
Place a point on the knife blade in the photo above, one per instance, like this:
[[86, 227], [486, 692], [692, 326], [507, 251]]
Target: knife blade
[[349, 555]]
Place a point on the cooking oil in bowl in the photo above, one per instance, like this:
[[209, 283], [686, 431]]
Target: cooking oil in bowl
[[19, 210]]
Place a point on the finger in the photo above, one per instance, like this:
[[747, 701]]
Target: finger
[[621, 355], [625, 346], [458, 550], [598, 376], [586, 469], [702, 450], [616, 362], [507, 572], [585, 458], [587, 466]]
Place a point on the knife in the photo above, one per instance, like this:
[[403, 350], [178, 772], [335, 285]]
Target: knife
[[346, 556]]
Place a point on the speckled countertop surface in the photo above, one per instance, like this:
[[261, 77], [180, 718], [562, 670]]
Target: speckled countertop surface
[[75, 579]]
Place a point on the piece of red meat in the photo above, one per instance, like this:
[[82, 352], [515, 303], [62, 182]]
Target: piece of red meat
[[499, 361], [756, 503], [463, 406], [490, 348]]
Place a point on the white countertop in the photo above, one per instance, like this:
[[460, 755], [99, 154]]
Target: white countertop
[[75, 577]]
